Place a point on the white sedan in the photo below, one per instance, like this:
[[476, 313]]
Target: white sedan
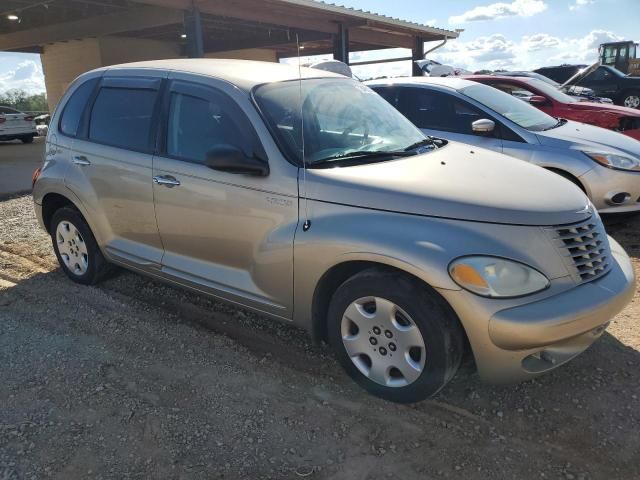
[[15, 125]]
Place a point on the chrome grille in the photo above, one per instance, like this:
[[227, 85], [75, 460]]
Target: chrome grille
[[584, 248]]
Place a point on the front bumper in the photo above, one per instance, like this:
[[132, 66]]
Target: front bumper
[[526, 339], [603, 184], [38, 210]]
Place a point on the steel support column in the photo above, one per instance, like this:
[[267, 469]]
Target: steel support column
[[341, 44], [417, 54], [193, 29]]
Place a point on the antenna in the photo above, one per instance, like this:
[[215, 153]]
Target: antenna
[[307, 222]]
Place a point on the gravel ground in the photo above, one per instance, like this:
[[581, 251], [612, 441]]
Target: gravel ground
[[135, 379]]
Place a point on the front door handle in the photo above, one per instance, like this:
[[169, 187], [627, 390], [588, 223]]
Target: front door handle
[[166, 180], [81, 160]]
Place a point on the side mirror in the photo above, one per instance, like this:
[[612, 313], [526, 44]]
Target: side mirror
[[483, 126], [231, 159], [538, 100]]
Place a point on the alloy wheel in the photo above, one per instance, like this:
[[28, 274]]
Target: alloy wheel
[[383, 342], [72, 248], [632, 101]]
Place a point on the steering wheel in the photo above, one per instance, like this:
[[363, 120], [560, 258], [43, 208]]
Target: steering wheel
[[352, 127]]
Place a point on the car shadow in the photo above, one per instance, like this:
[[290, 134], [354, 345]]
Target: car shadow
[[626, 231]]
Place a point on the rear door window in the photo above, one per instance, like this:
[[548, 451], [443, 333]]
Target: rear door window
[[75, 107], [122, 117]]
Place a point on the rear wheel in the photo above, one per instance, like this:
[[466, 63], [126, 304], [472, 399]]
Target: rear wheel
[[28, 139], [395, 336], [76, 247], [631, 99]]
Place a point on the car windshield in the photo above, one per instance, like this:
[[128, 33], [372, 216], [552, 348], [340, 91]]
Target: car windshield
[[341, 118], [552, 92], [528, 75], [510, 107], [544, 79]]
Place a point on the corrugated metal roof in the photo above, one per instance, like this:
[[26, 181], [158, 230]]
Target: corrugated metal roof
[[364, 14]]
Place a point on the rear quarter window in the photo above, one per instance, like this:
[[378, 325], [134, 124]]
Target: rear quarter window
[[75, 107]]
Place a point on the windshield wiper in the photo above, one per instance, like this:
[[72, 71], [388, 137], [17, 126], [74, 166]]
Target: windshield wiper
[[436, 142], [363, 154]]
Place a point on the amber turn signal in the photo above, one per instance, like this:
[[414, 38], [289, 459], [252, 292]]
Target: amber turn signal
[[35, 176]]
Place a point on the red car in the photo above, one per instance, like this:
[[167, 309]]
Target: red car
[[560, 105]]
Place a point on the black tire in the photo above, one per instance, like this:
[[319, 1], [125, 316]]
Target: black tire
[[97, 267], [628, 94], [28, 139], [439, 326]]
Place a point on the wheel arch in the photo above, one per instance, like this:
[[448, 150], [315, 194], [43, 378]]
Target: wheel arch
[[341, 272], [569, 176], [51, 203], [51, 197]]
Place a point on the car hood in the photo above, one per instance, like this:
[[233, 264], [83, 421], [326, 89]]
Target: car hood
[[605, 108], [455, 181], [580, 74], [580, 136]]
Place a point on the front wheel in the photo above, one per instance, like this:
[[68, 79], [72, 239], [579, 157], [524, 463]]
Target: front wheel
[[395, 336], [76, 248]]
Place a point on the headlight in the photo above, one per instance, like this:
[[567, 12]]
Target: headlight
[[496, 277], [611, 160]]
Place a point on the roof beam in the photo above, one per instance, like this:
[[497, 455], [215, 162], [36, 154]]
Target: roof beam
[[258, 11], [214, 45], [384, 39], [113, 23], [263, 12]]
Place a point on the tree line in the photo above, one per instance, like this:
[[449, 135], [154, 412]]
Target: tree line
[[23, 101]]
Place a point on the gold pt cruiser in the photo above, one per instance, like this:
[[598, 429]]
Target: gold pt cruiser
[[308, 198]]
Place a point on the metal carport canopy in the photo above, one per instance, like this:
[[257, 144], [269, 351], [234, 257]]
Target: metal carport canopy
[[226, 24]]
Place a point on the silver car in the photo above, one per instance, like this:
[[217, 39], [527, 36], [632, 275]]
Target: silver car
[[313, 201], [603, 163]]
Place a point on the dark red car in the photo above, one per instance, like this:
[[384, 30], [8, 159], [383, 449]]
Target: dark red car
[[560, 105]]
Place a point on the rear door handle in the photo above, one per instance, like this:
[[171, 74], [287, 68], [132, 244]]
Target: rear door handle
[[166, 180], [81, 160]]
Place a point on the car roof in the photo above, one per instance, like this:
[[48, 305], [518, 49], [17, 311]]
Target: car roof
[[501, 78], [453, 83], [564, 65], [245, 74], [512, 73]]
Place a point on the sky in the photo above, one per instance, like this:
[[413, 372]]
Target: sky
[[509, 34]]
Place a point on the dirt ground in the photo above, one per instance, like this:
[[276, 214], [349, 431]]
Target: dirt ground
[[135, 379]]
